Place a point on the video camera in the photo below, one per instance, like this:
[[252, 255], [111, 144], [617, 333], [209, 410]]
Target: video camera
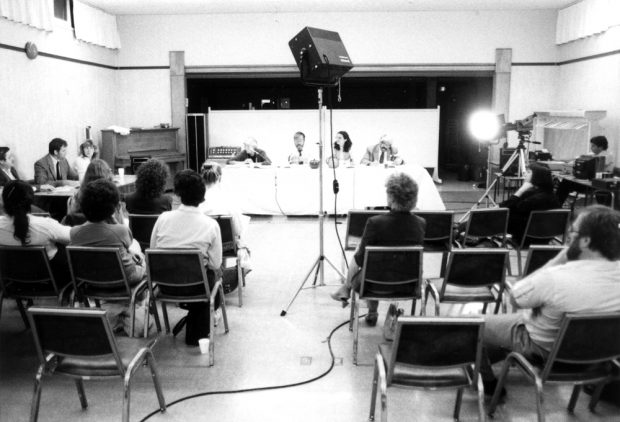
[[520, 126]]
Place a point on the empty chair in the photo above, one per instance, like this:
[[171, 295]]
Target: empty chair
[[233, 277], [141, 226], [431, 353], [538, 256], [438, 234], [542, 227], [388, 273], [180, 276], [98, 273], [585, 352], [490, 224], [26, 275], [80, 344], [471, 276]]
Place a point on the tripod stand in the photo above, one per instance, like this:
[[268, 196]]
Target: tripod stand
[[319, 264], [518, 154]]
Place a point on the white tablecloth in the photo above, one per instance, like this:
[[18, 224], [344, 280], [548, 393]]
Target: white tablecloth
[[294, 191]]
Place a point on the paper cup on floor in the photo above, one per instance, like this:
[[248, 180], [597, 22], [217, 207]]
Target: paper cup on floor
[[204, 345]]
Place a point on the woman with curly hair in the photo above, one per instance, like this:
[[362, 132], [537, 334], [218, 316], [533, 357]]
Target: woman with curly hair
[[20, 228], [399, 227], [149, 197], [96, 170]]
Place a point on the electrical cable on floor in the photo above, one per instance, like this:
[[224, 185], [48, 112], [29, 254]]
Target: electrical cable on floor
[[275, 182], [273, 387]]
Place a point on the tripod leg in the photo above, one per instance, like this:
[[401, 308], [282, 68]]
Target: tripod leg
[[316, 264], [319, 268], [335, 268]]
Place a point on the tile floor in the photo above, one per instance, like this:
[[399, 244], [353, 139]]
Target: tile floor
[[264, 349]]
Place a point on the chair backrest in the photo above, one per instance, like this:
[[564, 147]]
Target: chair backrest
[[97, 267], [544, 226], [141, 226], [41, 214], [25, 271], [226, 230], [178, 273], [585, 339], [488, 222], [437, 342], [391, 272], [74, 332], [439, 230], [356, 223], [539, 255], [476, 267]]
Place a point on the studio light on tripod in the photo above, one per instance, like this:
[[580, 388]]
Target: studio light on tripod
[[484, 126]]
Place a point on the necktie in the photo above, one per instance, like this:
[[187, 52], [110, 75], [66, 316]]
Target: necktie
[[382, 157], [58, 170]]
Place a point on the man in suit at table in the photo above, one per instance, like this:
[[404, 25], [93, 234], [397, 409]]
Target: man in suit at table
[[54, 169], [382, 153]]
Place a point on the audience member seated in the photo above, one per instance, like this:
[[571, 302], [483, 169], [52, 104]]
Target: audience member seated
[[19, 227], [583, 278], [189, 227], [298, 156], [251, 153], [536, 194], [87, 153], [342, 151], [382, 153], [217, 202], [99, 200], [96, 170], [54, 169], [149, 197], [598, 146], [399, 227], [8, 171]]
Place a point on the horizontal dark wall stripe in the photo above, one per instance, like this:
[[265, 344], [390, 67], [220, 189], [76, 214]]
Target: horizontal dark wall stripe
[[72, 60], [142, 67], [535, 64], [595, 56]]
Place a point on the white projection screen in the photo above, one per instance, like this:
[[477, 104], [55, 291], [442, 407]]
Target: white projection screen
[[415, 131]]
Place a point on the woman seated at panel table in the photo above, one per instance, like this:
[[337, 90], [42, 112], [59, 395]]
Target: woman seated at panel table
[[149, 197], [96, 170], [20, 228], [88, 152], [342, 151]]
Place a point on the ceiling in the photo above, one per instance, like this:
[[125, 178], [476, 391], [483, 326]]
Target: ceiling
[[171, 7]]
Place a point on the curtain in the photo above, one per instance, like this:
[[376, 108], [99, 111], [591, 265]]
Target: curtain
[[36, 13], [95, 26], [586, 18]]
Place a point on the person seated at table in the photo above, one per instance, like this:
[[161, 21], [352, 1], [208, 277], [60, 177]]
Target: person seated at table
[[7, 166], [87, 153], [535, 194], [382, 153], [53, 169], [251, 153], [20, 228], [100, 200], [149, 197], [598, 147], [217, 202], [297, 156], [342, 151], [96, 170], [399, 227], [189, 227]]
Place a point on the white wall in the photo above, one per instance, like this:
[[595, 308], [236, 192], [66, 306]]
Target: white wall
[[143, 98], [593, 84], [46, 98]]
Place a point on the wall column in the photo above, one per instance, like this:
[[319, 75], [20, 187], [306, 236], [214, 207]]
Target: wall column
[[501, 95], [178, 97]]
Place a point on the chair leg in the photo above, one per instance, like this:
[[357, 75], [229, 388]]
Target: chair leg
[[22, 312], [356, 328], [519, 266], [79, 383], [164, 310], [150, 360], [596, 396], [352, 314], [155, 312], [223, 308], [132, 309], [240, 284], [413, 308], [573, 398], [481, 411], [539, 400], [500, 384], [484, 307], [457, 404], [126, 396], [36, 397], [211, 333], [373, 395]]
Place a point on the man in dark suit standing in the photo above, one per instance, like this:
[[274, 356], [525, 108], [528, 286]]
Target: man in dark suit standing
[[54, 169], [7, 169]]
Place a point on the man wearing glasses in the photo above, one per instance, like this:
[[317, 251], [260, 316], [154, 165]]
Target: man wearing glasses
[[584, 277]]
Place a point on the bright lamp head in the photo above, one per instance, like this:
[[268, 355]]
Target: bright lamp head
[[484, 126]]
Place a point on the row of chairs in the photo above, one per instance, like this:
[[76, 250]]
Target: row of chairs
[[491, 223]]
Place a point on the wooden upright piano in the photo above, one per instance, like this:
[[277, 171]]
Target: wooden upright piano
[[160, 143]]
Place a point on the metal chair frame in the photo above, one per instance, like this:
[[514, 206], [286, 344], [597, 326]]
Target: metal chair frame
[[489, 223], [229, 250], [439, 234], [140, 224], [49, 358], [209, 296], [383, 376]]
